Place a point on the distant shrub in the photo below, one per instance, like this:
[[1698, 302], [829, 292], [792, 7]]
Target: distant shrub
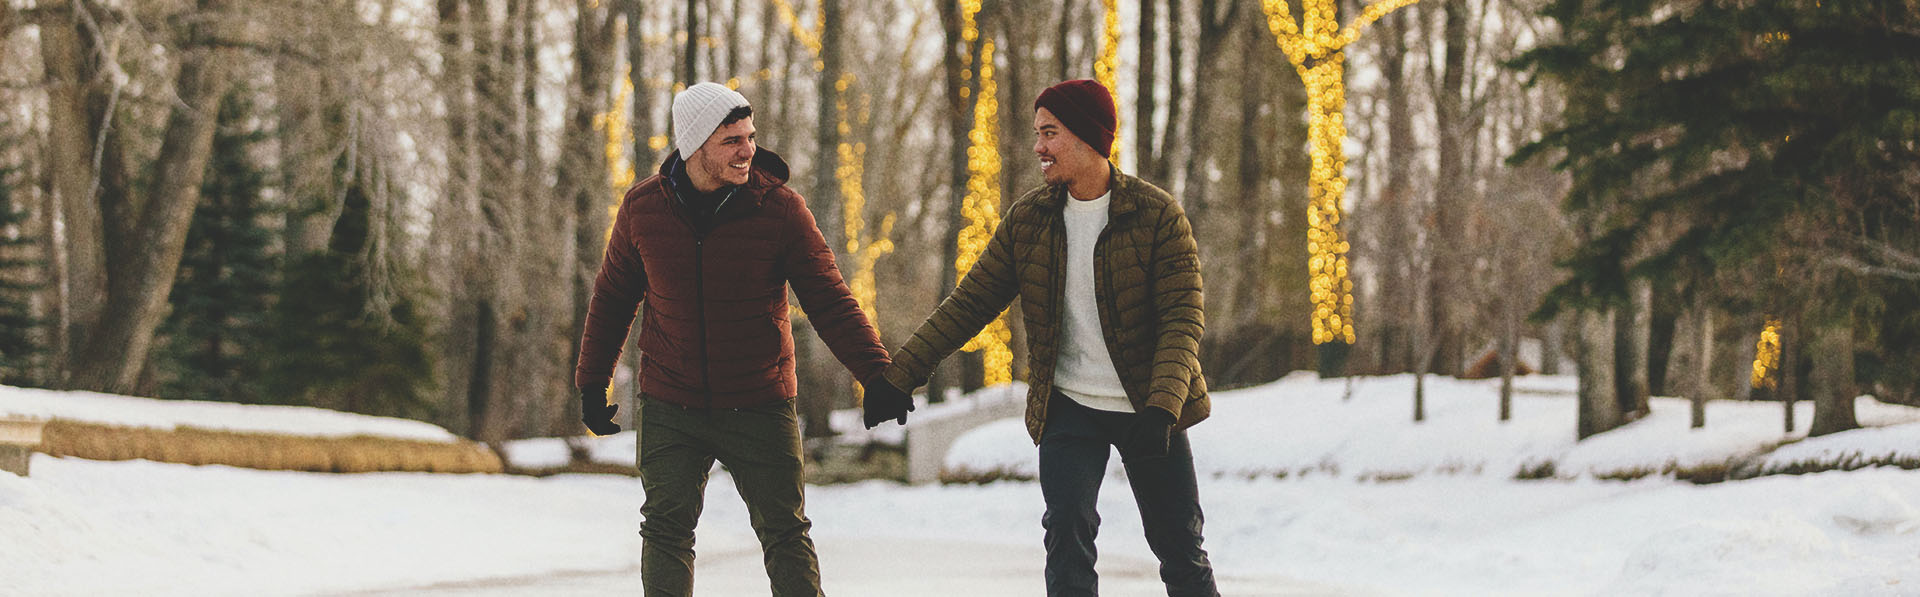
[[1849, 462], [1535, 471], [963, 476]]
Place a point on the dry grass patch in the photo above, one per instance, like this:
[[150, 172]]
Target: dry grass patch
[[265, 451]]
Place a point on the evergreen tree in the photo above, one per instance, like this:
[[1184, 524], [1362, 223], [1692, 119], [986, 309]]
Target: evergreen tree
[[21, 352], [1763, 147], [331, 344], [221, 294]]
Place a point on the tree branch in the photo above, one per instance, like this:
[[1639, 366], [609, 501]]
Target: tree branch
[[1848, 263]]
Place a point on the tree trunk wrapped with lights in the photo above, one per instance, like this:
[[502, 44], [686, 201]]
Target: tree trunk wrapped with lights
[[1315, 45], [982, 204], [1107, 66]]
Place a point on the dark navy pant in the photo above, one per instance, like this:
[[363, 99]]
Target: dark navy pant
[[1073, 461]]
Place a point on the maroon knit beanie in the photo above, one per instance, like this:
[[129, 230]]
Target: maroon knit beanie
[[1086, 108]]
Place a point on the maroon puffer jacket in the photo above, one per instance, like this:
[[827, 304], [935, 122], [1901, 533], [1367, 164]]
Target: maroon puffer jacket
[[715, 333]]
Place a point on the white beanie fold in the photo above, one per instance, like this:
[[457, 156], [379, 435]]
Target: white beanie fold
[[697, 112]]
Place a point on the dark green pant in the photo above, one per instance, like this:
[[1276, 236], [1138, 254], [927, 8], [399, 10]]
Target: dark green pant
[[760, 447]]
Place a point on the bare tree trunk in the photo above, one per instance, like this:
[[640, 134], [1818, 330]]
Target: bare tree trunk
[[692, 51], [1509, 343], [1788, 387], [307, 173], [498, 292], [1161, 171], [1422, 340], [955, 59], [1396, 206], [817, 407], [1663, 319], [142, 263], [733, 41], [642, 105], [70, 54], [1216, 21], [1552, 341], [1833, 382], [1632, 331], [583, 167], [1060, 37], [1703, 375], [1144, 103], [1743, 389], [1450, 201], [454, 236], [1593, 341], [1241, 290]]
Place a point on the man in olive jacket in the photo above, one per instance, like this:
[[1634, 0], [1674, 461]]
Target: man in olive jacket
[[710, 245], [1107, 271]]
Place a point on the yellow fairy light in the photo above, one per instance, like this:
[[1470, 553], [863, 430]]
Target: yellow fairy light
[[808, 36], [981, 207], [1106, 67], [1766, 356], [1315, 45]]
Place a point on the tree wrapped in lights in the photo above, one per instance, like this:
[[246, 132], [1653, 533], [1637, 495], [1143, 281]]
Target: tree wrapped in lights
[[853, 158], [1766, 357], [1316, 46], [1107, 65], [981, 206]]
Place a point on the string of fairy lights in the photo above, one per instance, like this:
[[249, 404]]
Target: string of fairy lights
[[617, 124], [1766, 357], [1106, 66], [851, 169], [1316, 47], [981, 205]]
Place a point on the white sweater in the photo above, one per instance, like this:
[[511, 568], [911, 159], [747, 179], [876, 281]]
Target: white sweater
[[1084, 371]]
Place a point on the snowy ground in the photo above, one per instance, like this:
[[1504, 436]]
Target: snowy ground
[[79, 527]]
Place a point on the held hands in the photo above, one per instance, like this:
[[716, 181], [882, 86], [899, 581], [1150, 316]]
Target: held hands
[[1150, 434], [884, 402], [596, 412]]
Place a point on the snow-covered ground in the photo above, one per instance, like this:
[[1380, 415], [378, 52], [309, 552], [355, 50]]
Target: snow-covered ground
[[1451, 521]]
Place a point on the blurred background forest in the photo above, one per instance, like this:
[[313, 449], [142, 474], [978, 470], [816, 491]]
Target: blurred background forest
[[397, 206]]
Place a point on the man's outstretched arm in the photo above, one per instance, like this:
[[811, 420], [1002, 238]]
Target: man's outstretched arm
[[983, 293], [617, 292]]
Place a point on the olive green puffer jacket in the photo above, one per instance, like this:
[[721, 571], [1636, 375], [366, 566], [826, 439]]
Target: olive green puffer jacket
[[1147, 285]]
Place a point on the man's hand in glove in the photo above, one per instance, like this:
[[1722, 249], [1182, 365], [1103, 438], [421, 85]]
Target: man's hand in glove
[[1149, 435], [884, 402], [597, 413]]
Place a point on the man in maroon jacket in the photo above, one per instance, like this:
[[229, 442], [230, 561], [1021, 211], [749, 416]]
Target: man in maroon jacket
[[710, 244]]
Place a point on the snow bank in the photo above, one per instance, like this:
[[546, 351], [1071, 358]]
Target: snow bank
[[149, 413], [1363, 428]]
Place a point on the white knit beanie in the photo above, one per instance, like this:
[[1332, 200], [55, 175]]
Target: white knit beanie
[[698, 110]]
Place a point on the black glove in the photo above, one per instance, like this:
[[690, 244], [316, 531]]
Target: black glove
[[597, 413], [1149, 435], [885, 402]]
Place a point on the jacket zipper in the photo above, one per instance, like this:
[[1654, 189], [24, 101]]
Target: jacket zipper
[[700, 302], [700, 286], [1057, 290]]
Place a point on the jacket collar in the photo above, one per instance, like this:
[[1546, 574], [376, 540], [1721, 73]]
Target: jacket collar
[[769, 172], [1120, 185]]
